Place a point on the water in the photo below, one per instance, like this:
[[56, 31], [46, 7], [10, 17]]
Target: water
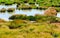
[[6, 15], [32, 12], [6, 7], [58, 14], [29, 12]]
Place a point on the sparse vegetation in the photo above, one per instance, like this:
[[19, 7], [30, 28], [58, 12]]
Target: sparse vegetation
[[37, 26]]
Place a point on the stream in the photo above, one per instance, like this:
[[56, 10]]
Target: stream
[[6, 15]]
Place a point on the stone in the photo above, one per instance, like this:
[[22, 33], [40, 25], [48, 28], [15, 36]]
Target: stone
[[51, 11]]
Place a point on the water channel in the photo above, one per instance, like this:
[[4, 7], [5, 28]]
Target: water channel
[[6, 15]]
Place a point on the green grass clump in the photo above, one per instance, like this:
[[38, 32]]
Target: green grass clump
[[43, 4]]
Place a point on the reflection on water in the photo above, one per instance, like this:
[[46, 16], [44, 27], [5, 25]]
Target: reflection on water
[[6, 15]]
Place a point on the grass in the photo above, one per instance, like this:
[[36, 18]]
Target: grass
[[43, 4], [40, 2], [10, 9], [3, 10], [30, 30], [41, 28]]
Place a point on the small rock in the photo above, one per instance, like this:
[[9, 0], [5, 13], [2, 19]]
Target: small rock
[[51, 11]]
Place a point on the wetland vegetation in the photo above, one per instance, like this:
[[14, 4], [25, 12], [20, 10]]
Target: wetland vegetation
[[33, 25], [33, 4], [22, 26]]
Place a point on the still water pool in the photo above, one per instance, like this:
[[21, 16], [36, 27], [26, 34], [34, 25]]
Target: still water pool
[[6, 15]]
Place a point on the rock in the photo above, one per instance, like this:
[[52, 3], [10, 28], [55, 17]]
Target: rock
[[51, 11]]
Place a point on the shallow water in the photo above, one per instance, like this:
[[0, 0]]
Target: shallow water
[[6, 7], [6, 15]]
